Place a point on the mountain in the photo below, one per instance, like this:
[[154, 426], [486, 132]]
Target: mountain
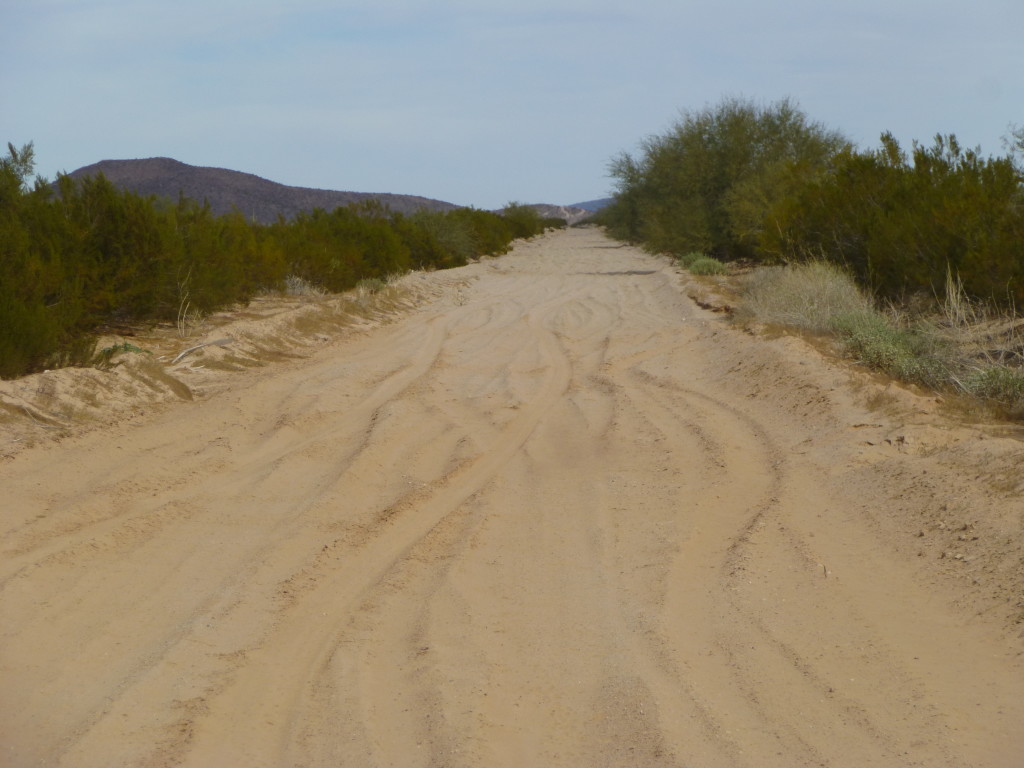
[[594, 205], [257, 198]]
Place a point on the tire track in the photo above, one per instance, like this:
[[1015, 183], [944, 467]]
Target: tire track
[[185, 517], [338, 592], [533, 523]]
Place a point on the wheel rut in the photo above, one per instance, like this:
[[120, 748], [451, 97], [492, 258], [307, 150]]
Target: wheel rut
[[556, 515]]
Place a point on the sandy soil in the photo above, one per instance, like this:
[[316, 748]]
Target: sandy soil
[[539, 511]]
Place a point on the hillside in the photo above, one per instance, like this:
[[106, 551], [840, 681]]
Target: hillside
[[259, 199], [593, 205]]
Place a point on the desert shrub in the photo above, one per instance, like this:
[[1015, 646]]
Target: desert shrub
[[686, 259], [436, 240], [708, 184], [807, 296], [456, 239], [741, 180], [29, 335], [338, 249], [706, 265], [523, 221], [901, 223], [490, 233], [80, 254], [39, 301], [79, 351]]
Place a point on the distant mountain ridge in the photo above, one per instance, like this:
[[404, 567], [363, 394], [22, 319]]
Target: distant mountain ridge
[[256, 198], [593, 205], [262, 200]]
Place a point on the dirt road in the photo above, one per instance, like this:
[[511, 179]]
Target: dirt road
[[555, 516]]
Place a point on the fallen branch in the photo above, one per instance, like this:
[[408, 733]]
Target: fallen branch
[[190, 350]]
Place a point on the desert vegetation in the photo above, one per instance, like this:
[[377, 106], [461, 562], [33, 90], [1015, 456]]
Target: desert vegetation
[[954, 345], [81, 254], [913, 260]]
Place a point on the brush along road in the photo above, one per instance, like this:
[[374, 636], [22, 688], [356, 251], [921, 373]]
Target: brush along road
[[555, 515]]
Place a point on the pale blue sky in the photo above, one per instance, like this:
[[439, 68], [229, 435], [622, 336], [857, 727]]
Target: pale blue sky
[[480, 103]]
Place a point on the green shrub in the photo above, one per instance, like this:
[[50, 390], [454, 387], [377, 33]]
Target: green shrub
[[708, 183], [524, 221], [902, 223], [82, 253], [739, 180], [686, 259], [29, 336], [707, 265], [490, 233], [437, 240]]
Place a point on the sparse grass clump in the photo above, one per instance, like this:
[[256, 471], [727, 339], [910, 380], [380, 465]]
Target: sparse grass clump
[[818, 297], [999, 385], [688, 258], [105, 357], [706, 265], [806, 296], [909, 354], [990, 349], [297, 286], [370, 285], [955, 345]]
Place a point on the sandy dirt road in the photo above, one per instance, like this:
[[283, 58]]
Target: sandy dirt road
[[555, 516]]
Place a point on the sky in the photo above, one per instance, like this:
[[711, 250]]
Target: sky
[[482, 103]]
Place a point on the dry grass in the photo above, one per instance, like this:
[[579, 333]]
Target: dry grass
[[707, 265], [990, 349], [808, 297], [297, 286], [955, 345]]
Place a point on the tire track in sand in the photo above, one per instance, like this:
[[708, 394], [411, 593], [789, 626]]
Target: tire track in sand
[[335, 594], [533, 524], [165, 538]]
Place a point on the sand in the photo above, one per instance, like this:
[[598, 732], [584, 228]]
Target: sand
[[542, 510]]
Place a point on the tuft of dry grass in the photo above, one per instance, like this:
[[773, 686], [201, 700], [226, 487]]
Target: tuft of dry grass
[[297, 286], [990, 346], [706, 265], [805, 296], [958, 345]]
